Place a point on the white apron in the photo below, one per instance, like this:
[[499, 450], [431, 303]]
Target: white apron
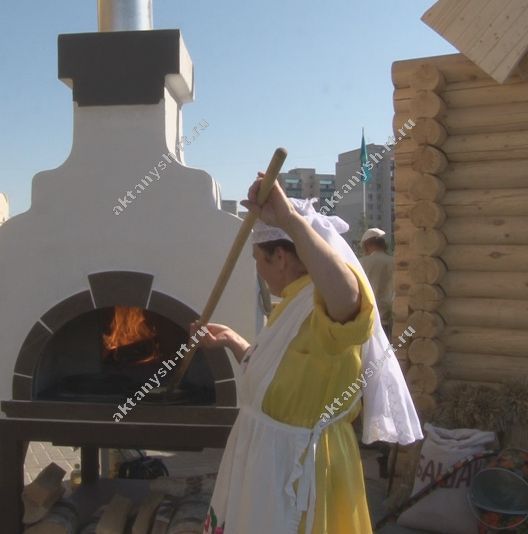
[[254, 491]]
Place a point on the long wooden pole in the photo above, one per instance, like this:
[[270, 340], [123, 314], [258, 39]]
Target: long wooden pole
[[266, 185]]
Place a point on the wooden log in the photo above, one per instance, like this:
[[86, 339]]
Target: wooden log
[[404, 365], [402, 283], [63, 518], [425, 297], [114, 517], [486, 230], [428, 159], [454, 67], [478, 93], [427, 77], [448, 385], [401, 211], [400, 353], [403, 199], [403, 228], [521, 69], [403, 175], [423, 379], [404, 152], [487, 119], [429, 131], [426, 324], [402, 257], [400, 309], [401, 104], [485, 284], [401, 130], [39, 496], [463, 148], [190, 514], [425, 405], [485, 340], [486, 202], [498, 313], [426, 351], [427, 242], [484, 367], [485, 147], [503, 258], [465, 121], [426, 270], [35, 512], [425, 187], [398, 329], [427, 214], [47, 481], [164, 515], [427, 104], [145, 516], [501, 174]]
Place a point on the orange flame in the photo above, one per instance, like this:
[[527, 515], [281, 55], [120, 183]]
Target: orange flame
[[129, 326]]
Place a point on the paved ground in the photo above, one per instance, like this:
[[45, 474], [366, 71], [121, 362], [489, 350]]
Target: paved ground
[[39, 455], [183, 464]]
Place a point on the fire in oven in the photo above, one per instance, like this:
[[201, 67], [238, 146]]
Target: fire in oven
[[108, 354]]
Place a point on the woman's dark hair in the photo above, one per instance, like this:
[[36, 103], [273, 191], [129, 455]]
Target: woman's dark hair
[[269, 247]]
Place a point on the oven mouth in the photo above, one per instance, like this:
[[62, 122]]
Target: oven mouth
[[89, 360]]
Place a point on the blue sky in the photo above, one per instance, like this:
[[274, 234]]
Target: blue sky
[[300, 74]]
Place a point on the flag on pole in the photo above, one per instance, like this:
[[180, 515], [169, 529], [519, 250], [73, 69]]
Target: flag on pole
[[363, 158]]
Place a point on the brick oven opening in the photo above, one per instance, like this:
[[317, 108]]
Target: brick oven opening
[[107, 354]]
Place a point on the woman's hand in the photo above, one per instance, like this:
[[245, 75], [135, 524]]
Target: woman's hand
[[276, 211], [220, 336], [334, 280]]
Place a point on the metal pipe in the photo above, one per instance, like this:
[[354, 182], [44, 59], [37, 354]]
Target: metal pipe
[[124, 15]]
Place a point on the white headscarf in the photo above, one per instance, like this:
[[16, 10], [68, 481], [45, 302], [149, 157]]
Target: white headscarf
[[388, 411]]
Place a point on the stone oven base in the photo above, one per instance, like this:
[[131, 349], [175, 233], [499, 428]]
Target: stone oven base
[[209, 428]]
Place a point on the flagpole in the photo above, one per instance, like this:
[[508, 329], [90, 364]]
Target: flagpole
[[364, 190], [364, 203]]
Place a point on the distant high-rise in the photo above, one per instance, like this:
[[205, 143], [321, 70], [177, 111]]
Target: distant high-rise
[[378, 191], [4, 208], [230, 206], [306, 183]]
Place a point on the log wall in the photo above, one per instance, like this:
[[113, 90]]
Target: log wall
[[461, 229]]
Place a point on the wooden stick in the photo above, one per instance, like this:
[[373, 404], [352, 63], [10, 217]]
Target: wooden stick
[[265, 187]]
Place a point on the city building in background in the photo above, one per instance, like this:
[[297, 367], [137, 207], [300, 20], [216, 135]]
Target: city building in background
[[4, 208], [365, 205], [306, 183], [231, 206]]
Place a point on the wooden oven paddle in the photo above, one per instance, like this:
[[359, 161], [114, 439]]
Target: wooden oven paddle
[[268, 180]]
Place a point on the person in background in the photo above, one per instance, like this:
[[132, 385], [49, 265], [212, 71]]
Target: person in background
[[378, 267]]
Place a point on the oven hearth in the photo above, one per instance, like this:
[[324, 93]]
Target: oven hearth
[[119, 350]]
